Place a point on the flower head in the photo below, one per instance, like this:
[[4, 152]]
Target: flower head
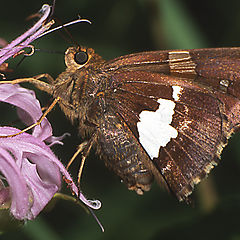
[[29, 168], [25, 39], [31, 173]]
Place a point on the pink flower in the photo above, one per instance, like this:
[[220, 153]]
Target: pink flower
[[38, 30], [31, 172], [25, 39]]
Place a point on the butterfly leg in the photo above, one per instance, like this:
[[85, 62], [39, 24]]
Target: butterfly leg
[[35, 81], [83, 148], [79, 150], [84, 156], [49, 78], [40, 85], [36, 123]]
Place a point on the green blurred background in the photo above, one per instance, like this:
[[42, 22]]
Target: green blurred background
[[120, 27]]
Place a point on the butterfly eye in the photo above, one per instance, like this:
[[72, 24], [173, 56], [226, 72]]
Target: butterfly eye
[[81, 57]]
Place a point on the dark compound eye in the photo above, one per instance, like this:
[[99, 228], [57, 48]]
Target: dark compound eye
[[81, 57]]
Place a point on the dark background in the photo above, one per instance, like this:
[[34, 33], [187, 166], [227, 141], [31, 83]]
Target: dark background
[[120, 27]]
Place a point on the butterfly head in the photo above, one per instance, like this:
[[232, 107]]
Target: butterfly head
[[79, 57]]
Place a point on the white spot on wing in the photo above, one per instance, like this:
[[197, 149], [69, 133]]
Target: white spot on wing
[[177, 91], [154, 128]]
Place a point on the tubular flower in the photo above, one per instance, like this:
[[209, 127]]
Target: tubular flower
[[30, 172]]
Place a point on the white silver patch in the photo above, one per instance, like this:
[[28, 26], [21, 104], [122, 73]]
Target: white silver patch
[[177, 91], [224, 83], [180, 62], [154, 128]]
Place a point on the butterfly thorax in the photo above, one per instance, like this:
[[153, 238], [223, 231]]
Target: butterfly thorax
[[79, 88], [85, 93]]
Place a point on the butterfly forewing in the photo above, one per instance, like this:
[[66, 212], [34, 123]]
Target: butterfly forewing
[[181, 115]]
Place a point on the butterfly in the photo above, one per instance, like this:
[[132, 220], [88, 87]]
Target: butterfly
[[161, 115]]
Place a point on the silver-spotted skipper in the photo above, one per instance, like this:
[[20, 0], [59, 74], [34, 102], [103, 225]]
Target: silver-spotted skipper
[[163, 115]]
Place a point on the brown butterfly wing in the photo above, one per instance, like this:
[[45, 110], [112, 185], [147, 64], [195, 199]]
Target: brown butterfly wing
[[204, 115]]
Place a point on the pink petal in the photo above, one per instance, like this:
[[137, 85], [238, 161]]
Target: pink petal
[[30, 109]]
